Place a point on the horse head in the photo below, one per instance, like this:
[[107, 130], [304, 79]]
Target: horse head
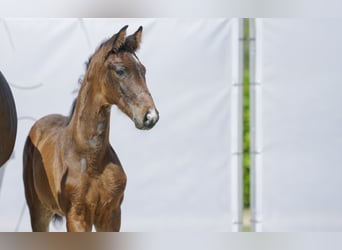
[[121, 78]]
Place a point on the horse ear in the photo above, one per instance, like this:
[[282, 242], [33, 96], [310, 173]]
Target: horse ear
[[133, 41], [119, 39]]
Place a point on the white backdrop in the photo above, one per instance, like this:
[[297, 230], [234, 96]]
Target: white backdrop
[[297, 125], [184, 173]]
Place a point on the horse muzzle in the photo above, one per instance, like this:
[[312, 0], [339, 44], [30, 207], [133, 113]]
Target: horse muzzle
[[150, 119]]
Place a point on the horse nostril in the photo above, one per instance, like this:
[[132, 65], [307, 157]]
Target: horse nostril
[[150, 118], [147, 118]]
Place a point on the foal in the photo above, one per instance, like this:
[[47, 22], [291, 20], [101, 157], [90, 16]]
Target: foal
[[70, 169]]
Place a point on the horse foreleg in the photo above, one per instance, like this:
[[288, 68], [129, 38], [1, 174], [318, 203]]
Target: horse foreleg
[[109, 222], [78, 222]]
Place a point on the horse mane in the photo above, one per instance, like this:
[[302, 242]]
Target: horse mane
[[72, 111], [87, 63], [80, 80]]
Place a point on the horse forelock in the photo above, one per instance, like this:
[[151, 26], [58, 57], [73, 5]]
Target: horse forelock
[[123, 48]]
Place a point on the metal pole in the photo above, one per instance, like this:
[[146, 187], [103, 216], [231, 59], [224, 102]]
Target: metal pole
[[255, 133], [2, 172], [21, 217]]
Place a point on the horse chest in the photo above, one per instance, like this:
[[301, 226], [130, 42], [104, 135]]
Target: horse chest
[[111, 183], [103, 195], [100, 190]]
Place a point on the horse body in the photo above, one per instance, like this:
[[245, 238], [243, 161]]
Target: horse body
[[76, 185], [70, 169], [8, 121]]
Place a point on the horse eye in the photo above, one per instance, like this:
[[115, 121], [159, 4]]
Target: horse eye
[[120, 72]]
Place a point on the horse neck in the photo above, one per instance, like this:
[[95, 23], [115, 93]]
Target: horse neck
[[90, 122]]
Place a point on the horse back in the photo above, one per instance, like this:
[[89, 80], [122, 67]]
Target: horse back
[[47, 128]]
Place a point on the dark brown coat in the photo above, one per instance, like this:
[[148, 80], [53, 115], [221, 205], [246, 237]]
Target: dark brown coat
[[70, 168], [8, 121]]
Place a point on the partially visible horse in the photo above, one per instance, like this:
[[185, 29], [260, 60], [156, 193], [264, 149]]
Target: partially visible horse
[[8, 121], [70, 168]]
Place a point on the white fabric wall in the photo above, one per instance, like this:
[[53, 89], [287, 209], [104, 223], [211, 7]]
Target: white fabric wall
[[297, 100], [182, 173]]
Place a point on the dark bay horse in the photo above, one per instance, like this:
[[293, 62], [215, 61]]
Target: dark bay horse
[[8, 121], [70, 168]]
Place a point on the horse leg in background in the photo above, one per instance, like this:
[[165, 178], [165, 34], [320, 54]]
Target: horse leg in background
[[40, 216]]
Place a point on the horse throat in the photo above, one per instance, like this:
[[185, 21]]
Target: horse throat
[[98, 138], [90, 123]]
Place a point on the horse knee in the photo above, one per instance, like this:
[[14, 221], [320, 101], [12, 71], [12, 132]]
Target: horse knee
[[77, 222]]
